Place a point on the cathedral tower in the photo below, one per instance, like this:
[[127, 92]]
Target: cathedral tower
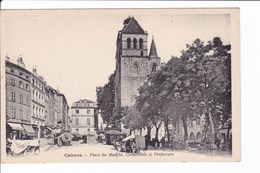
[[133, 64]]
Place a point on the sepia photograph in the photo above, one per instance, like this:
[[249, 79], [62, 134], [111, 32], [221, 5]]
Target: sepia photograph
[[120, 85]]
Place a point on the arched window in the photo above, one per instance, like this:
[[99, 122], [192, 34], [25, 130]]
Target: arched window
[[136, 68], [135, 43], [154, 67], [192, 137], [128, 43], [199, 136], [141, 43]]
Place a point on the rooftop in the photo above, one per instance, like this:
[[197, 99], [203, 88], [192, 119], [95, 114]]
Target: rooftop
[[131, 26]]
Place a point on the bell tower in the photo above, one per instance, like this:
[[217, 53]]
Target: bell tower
[[133, 64]]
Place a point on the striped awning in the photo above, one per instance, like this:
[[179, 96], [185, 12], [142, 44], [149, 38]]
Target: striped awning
[[15, 126], [29, 130]]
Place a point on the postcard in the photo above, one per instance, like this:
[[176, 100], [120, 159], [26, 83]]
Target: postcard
[[120, 85]]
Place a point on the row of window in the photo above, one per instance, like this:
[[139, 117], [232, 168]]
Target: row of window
[[19, 115], [84, 104], [38, 97], [21, 98], [37, 84], [129, 42], [25, 86], [20, 84], [88, 121], [38, 111], [137, 70], [77, 111], [20, 73]]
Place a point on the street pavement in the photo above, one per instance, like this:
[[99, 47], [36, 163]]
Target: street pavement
[[106, 153]]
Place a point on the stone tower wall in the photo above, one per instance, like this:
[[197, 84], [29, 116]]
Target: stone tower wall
[[132, 78]]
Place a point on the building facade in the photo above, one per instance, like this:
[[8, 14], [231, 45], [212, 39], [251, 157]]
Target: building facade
[[38, 103], [82, 114], [18, 99], [50, 107], [133, 63], [62, 112], [195, 129], [32, 106], [101, 125]]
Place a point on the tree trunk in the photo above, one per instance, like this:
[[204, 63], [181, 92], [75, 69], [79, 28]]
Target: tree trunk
[[212, 130], [149, 132], [141, 130], [166, 124], [156, 132], [206, 99], [157, 129], [229, 140], [185, 128]]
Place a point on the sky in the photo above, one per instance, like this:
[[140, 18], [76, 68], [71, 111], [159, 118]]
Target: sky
[[75, 50]]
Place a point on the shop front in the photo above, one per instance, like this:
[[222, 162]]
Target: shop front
[[14, 130], [29, 132]]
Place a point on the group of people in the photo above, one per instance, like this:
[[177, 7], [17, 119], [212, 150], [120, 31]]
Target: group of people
[[129, 146], [14, 136], [162, 143]]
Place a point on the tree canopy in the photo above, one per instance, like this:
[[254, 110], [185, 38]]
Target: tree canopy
[[197, 82], [105, 99]]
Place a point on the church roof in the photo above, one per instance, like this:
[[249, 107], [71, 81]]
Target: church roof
[[131, 26], [153, 50]]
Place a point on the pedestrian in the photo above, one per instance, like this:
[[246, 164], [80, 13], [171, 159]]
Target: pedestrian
[[146, 141], [84, 137], [15, 135], [172, 143], [217, 142], [162, 142], [156, 143], [128, 146]]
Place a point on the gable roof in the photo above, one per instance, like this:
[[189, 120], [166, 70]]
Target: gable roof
[[131, 26]]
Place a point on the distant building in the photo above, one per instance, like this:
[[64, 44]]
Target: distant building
[[62, 112], [18, 99], [195, 128], [31, 105], [82, 114], [38, 103], [101, 125], [50, 107]]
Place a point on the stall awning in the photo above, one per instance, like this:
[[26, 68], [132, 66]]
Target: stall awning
[[50, 129], [15, 126], [29, 130], [54, 130]]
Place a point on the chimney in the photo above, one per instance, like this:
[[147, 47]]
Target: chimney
[[20, 62], [34, 71]]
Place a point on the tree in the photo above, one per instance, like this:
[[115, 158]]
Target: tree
[[132, 118], [207, 67], [174, 91], [147, 103], [198, 82], [105, 99]]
